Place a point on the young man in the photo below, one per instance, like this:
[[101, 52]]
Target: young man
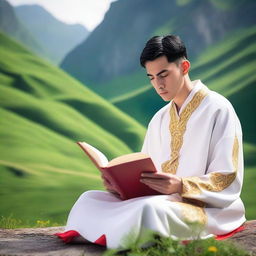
[[195, 142]]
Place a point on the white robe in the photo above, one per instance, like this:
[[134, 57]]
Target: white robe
[[206, 152]]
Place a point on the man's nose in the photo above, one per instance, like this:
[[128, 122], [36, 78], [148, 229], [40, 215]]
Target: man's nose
[[159, 83]]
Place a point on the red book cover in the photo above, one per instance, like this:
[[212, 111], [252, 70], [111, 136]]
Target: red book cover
[[123, 172]]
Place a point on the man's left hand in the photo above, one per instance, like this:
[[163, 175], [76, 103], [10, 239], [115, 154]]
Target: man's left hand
[[165, 183]]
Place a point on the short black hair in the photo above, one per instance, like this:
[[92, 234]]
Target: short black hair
[[170, 46]]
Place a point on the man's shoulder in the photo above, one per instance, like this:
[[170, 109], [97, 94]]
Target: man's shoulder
[[222, 110], [220, 107], [218, 102]]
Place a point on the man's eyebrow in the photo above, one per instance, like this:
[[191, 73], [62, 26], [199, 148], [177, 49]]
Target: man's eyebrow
[[164, 70]]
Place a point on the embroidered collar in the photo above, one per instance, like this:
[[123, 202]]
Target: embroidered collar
[[197, 85]]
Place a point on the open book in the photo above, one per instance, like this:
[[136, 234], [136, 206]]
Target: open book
[[123, 172]]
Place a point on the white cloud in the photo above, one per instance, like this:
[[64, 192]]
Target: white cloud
[[87, 12]]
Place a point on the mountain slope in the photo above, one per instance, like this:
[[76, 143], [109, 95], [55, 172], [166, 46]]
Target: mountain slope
[[10, 24], [49, 83], [113, 48], [57, 37], [43, 113]]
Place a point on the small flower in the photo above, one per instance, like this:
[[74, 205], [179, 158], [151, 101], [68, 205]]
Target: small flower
[[212, 249], [42, 223]]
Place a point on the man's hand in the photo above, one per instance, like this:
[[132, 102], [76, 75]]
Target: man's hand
[[109, 187], [164, 183]]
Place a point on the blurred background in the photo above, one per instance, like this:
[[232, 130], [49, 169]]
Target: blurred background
[[69, 71]]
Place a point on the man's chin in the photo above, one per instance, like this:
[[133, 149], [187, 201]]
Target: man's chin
[[165, 97]]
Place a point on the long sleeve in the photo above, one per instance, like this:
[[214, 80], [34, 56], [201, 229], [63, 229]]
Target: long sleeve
[[221, 185]]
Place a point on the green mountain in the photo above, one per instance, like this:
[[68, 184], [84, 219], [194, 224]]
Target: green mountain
[[58, 38], [43, 113], [112, 51], [11, 25]]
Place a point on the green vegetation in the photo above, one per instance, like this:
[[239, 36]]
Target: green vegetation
[[229, 68], [229, 4], [11, 223], [157, 245], [223, 5], [183, 2], [44, 112], [122, 85]]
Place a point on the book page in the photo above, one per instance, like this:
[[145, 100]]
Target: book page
[[94, 153], [127, 158]]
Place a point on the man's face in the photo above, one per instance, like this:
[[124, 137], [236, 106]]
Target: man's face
[[167, 78]]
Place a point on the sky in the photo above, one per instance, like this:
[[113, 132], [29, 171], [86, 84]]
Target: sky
[[89, 13]]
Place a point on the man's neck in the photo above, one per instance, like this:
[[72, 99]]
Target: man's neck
[[183, 93]]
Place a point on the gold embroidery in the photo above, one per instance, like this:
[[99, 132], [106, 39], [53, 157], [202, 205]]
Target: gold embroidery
[[193, 214], [217, 181], [177, 129]]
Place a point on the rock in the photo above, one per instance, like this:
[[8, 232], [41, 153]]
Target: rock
[[246, 238], [42, 242]]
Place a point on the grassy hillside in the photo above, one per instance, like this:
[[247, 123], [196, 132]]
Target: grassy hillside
[[12, 26], [43, 113], [29, 76], [229, 68]]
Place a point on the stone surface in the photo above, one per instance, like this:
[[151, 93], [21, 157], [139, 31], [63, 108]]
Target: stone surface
[[42, 242], [247, 238]]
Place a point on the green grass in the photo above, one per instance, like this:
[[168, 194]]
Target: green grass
[[156, 245], [248, 193], [24, 72], [121, 85]]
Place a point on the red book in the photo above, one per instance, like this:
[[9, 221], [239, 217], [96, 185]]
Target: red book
[[123, 172]]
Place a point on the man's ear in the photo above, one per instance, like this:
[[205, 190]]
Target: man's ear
[[185, 66]]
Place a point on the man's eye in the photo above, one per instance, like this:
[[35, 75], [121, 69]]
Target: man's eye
[[162, 76]]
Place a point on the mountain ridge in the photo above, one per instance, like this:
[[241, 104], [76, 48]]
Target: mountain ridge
[[113, 48], [10, 24], [59, 38]]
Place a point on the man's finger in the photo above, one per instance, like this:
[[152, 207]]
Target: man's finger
[[155, 175], [159, 182], [156, 188]]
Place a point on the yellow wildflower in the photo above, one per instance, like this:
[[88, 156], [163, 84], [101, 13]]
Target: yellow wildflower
[[212, 249], [42, 223]]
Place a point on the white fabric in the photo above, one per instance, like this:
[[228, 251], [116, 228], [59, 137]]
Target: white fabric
[[207, 147]]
